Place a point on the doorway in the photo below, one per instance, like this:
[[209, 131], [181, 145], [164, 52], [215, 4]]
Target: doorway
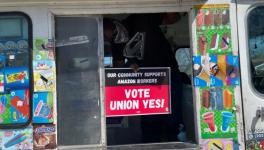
[[176, 34]]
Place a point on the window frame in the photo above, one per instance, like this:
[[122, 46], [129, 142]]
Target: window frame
[[31, 80], [100, 73], [249, 67]]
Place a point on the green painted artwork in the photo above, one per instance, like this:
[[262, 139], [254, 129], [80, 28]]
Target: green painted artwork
[[43, 44], [217, 118], [39, 44], [213, 31], [5, 114], [43, 55], [214, 42], [212, 18], [43, 107]]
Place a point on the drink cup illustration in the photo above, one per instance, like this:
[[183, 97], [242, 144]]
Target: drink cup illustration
[[209, 119], [227, 118]]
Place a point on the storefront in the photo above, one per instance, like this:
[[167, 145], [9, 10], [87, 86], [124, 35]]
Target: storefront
[[60, 87]]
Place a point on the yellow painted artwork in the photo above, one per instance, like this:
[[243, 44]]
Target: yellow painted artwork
[[44, 80]]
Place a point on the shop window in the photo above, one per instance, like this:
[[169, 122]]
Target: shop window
[[256, 47], [15, 70]]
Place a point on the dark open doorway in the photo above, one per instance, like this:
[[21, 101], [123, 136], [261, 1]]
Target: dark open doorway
[[174, 31]]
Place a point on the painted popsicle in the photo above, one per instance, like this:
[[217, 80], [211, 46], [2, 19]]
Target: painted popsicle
[[17, 139]]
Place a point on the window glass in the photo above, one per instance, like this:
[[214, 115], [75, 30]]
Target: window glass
[[15, 72], [78, 88], [256, 47], [108, 58]]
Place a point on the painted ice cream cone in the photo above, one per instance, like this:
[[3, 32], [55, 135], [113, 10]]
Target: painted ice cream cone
[[216, 71], [204, 75], [214, 68], [220, 75]]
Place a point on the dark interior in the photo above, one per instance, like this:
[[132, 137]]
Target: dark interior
[[128, 129]]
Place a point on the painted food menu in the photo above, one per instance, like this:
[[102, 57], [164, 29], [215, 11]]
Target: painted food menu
[[216, 74], [44, 75], [14, 82], [15, 104], [213, 31], [42, 107], [16, 139], [44, 65], [217, 117], [44, 136], [216, 70], [44, 71]]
